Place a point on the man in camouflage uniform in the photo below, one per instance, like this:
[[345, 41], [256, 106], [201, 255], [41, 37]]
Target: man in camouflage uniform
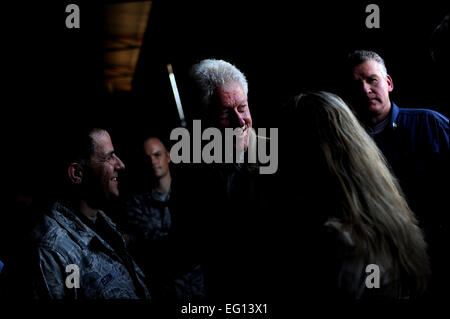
[[80, 253], [161, 231]]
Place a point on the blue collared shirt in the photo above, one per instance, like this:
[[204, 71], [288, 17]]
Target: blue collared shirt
[[414, 138], [415, 143]]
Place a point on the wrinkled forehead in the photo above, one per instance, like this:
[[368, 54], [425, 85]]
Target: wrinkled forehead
[[231, 94]]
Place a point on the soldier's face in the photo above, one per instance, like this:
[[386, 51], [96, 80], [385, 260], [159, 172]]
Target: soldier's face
[[157, 157]]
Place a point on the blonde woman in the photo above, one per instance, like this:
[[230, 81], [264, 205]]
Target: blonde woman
[[358, 202]]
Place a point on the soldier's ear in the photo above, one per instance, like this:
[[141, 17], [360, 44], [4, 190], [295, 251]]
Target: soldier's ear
[[75, 172]]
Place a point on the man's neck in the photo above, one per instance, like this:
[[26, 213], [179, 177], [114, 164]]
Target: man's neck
[[378, 118], [87, 210], [163, 186]]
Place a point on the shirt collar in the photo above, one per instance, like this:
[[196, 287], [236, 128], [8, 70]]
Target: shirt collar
[[394, 115], [73, 224]]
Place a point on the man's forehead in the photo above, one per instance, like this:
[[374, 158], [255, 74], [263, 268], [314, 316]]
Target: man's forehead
[[102, 141], [367, 68], [231, 93], [153, 145]]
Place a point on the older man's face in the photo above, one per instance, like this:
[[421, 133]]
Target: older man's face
[[233, 110], [372, 89]]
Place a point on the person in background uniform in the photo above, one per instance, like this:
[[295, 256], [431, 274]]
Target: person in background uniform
[[161, 231]]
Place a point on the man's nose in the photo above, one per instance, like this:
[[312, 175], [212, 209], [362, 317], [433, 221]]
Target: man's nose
[[119, 164], [238, 119], [367, 88]]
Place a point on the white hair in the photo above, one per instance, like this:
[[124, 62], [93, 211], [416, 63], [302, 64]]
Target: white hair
[[209, 74]]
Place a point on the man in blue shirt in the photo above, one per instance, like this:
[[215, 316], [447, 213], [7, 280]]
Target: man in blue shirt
[[415, 143]]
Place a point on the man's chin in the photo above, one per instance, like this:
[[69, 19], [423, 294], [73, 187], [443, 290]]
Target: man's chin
[[112, 194], [374, 108]]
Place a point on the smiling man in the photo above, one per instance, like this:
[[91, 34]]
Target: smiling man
[[230, 103], [233, 194], [223, 91], [80, 253]]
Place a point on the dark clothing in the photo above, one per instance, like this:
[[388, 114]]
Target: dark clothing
[[349, 269], [414, 139], [106, 270], [234, 224], [416, 145], [149, 215], [163, 243], [18, 220], [2, 293]]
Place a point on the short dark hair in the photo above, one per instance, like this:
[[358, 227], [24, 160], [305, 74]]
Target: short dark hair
[[163, 141], [76, 146], [81, 146]]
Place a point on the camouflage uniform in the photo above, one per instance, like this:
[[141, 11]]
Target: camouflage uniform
[[162, 249], [149, 216], [63, 238]]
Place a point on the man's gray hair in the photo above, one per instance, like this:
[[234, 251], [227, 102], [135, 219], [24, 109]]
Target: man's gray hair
[[360, 56], [211, 73]]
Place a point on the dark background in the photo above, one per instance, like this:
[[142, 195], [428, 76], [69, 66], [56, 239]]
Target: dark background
[[53, 76]]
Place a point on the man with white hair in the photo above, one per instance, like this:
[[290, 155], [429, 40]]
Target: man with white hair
[[223, 94], [232, 198]]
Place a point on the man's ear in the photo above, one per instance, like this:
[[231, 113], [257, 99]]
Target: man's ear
[[390, 83], [168, 157], [75, 172]]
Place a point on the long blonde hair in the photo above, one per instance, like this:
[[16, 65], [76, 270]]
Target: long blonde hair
[[373, 208]]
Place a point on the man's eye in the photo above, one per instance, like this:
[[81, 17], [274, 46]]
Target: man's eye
[[241, 108]]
